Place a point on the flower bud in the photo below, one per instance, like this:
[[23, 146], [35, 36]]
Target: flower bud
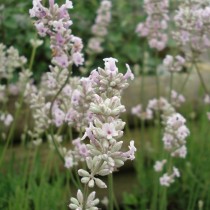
[[82, 172], [100, 183], [91, 183]]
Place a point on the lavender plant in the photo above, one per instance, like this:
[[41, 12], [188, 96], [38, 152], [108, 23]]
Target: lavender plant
[[104, 151], [174, 140], [66, 51], [83, 118], [10, 61], [156, 23], [99, 29]]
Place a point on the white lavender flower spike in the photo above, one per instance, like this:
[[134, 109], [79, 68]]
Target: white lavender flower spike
[[104, 150]]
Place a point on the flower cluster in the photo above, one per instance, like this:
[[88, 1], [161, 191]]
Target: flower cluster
[[177, 99], [79, 114], [159, 165], [143, 115], [107, 127], [174, 64], [55, 22], [176, 132], [99, 29], [78, 203], [6, 119], [192, 22], [55, 101], [9, 61], [166, 180], [72, 105], [74, 156], [105, 155], [174, 137], [206, 99], [157, 104], [108, 80], [174, 140], [40, 112], [156, 23]]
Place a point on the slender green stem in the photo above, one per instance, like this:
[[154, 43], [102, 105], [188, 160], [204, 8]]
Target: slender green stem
[[77, 184], [163, 201], [80, 132], [157, 85], [171, 87], [77, 179], [142, 76], [25, 179], [51, 117], [184, 83], [70, 133], [196, 180], [32, 58], [156, 76], [68, 177], [31, 174], [195, 198], [158, 95], [116, 203], [143, 133], [59, 91], [55, 145], [201, 79], [158, 135], [86, 189], [142, 98], [110, 184], [192, 189], [155, 192], [142, 89]]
